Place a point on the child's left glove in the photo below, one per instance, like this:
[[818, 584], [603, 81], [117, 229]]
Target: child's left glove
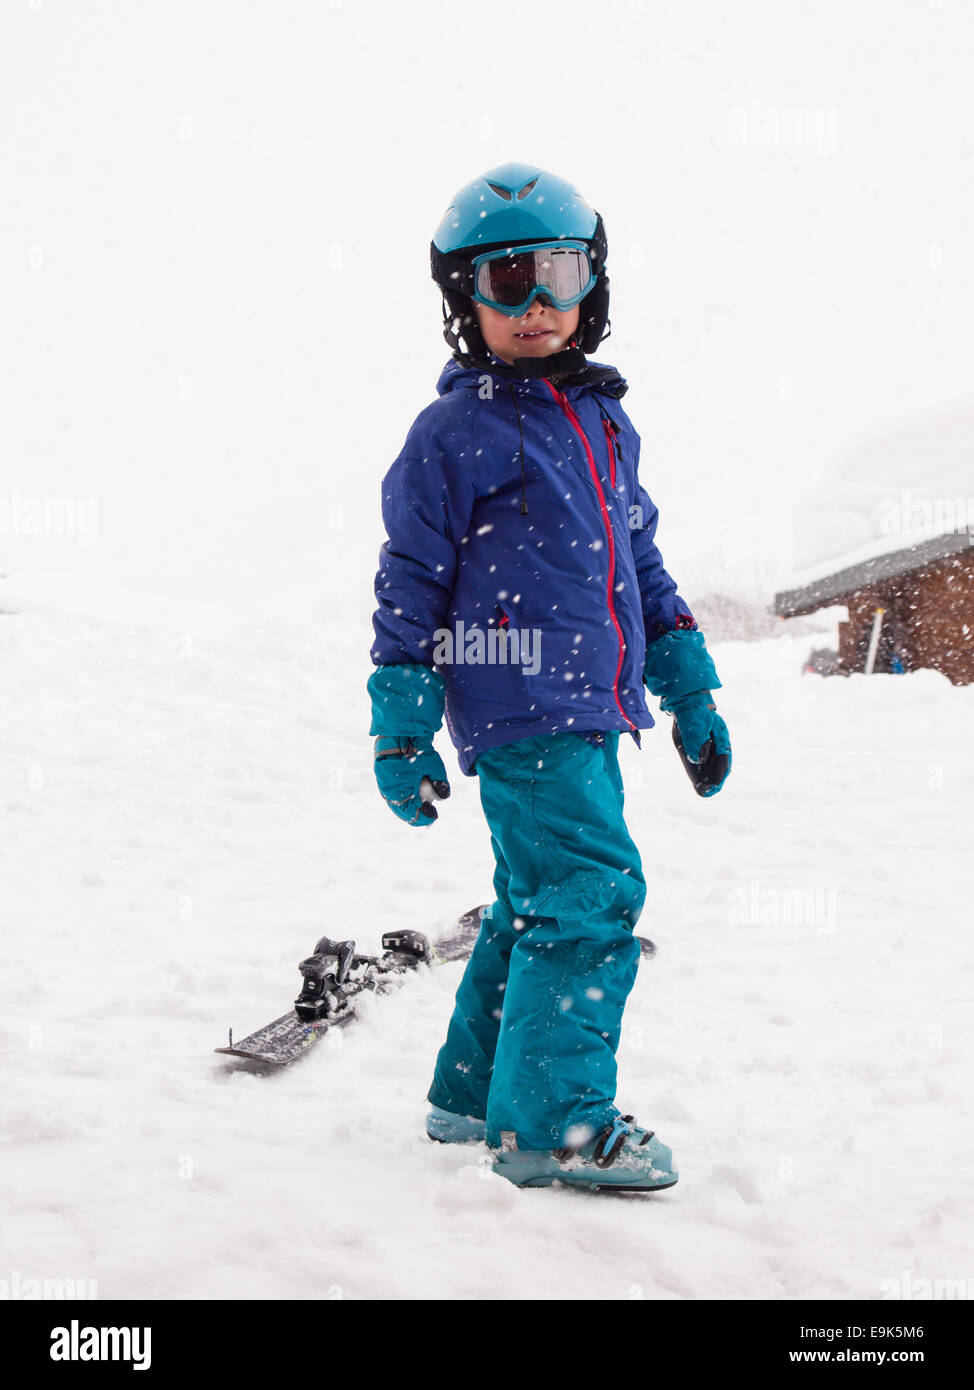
[[698, 727], [680, 672], [407, 709]]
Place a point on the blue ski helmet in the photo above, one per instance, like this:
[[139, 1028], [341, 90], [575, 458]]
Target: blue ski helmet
[[514, 205]]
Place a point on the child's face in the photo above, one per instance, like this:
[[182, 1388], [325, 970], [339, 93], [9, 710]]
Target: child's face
[[541, 330]]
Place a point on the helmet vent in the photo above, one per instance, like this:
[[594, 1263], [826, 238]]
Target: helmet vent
[[523, 192], [504, 193]]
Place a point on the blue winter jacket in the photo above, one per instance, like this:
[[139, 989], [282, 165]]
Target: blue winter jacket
[[516, 505]]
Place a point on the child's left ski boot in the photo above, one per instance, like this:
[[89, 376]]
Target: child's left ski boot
[[447, 1128], [624, 1157]]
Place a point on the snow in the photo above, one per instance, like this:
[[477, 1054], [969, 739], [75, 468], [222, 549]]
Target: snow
[[181, 818]]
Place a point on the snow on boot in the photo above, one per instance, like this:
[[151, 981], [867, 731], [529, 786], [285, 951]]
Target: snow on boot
[[624, 1157], [449, 1128]]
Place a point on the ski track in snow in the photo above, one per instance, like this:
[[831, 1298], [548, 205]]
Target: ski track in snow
[[183, 814]]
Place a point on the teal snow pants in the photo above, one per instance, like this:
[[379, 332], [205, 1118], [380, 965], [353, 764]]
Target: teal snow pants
[[531, 1045]]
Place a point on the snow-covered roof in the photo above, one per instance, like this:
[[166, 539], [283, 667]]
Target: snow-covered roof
[[832, 585]]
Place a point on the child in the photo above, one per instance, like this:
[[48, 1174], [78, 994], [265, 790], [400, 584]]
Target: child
[[520, 590]]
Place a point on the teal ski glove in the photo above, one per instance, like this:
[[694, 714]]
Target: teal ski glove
[[407, 710], [410, 775], [701, 739], [680, 672]]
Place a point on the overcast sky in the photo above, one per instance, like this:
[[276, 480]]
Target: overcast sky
[[217, 316]]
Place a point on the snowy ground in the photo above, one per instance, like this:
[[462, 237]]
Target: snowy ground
[[186, 802]]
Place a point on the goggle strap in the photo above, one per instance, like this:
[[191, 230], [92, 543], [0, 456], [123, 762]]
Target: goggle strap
[[451, 270]]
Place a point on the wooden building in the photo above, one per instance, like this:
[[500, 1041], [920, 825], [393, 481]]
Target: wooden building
[[914, 606]]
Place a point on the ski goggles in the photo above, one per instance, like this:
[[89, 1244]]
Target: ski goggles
[[510, 280]]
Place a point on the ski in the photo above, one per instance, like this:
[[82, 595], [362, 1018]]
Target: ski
[[333, 975], [336, 973]]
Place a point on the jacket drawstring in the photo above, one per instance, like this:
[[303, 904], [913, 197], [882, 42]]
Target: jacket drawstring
[[520, 432]]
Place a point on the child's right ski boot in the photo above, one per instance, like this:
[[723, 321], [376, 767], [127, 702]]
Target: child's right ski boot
[[623, 1158]]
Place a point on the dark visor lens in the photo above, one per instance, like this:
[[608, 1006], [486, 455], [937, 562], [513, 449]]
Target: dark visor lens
[[510, 280]]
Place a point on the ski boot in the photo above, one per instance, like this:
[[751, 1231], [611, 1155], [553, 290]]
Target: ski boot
[[624, 1157], [448, 1128]]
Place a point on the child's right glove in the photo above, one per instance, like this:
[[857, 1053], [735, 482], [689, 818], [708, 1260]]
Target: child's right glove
[[407, 710], [680, 672]]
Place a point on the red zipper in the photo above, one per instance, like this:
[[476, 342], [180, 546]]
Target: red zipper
[[562, 400]]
